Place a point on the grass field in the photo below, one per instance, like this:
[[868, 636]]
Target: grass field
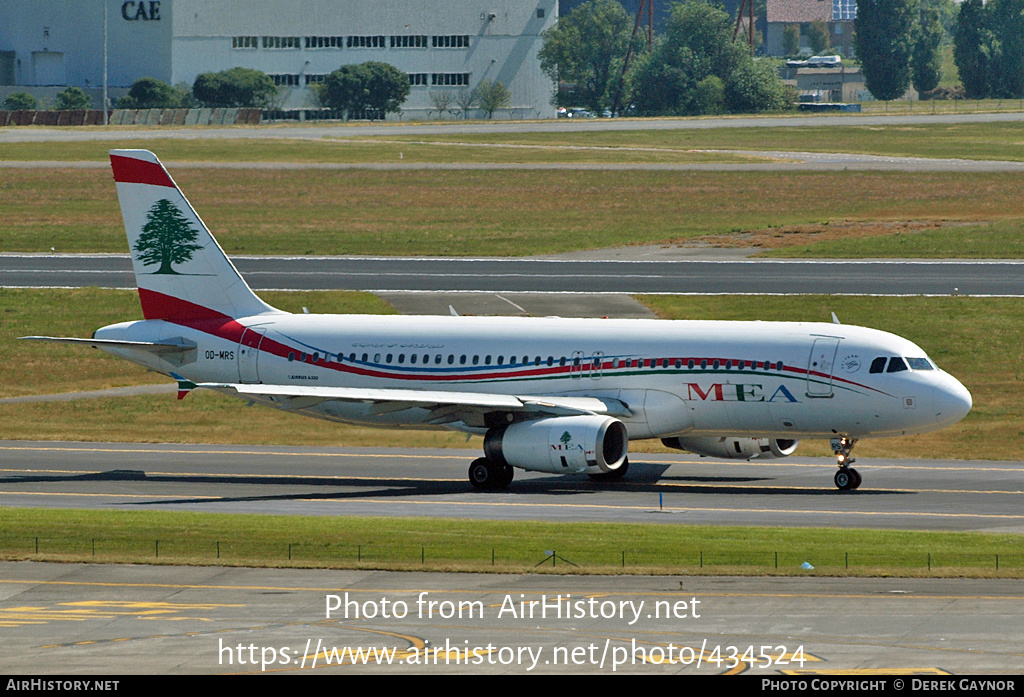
[[980, 340], [980, 141], [513, 213], [497, 546]]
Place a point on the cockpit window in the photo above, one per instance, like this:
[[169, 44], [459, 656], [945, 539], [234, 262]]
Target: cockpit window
[[896, 365], [920, 364], [878, 365]]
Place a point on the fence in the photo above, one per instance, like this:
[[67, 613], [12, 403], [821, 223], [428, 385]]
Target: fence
[[126, 117], [582, 559]]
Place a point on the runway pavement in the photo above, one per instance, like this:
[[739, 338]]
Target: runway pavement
[[364, 129], [137, 620], [684, 488], [526, 275]]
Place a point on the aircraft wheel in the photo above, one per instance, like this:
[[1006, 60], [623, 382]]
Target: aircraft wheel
[[855, 475], [613, 476], [506, 476], [485, 474], [843, 479]]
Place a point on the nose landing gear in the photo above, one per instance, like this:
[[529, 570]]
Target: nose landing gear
[[847, 478]]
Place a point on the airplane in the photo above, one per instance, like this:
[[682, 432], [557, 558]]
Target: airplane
[[553, 395]]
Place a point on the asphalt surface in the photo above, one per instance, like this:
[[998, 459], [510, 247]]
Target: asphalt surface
[[904, 494], [161, 620], [348, 130], [554, 276]]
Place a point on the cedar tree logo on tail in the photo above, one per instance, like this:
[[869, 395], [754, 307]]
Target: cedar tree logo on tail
[[167, 238]]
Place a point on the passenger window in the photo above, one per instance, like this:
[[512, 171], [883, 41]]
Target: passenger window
[[451, 358], [896, 365], [291, 356], [877, 365]]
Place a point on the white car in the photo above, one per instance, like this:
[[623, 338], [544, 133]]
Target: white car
[[824, 62]]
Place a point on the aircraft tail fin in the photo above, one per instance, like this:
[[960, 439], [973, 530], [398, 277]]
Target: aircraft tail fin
[[181, 271]]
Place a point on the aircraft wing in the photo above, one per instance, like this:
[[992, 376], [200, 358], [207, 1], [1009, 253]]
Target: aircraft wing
[[446, 407]]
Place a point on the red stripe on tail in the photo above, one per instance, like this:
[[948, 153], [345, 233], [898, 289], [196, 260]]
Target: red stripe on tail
[[128, 170], [160, 306]]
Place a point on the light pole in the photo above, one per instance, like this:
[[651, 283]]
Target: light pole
[[105, 116]]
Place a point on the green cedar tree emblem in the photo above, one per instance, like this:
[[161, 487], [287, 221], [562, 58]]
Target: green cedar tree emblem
[[565, 438], [167, 238]]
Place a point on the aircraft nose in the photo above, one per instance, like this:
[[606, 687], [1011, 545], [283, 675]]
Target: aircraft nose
[[952, 400]]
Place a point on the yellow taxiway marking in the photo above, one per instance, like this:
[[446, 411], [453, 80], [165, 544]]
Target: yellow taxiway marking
[[866, 671], [641, 458], [563, 506], [653, 458], [81, 611], [109, 495]]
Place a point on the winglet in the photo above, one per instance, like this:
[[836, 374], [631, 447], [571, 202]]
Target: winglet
[[184, 386]]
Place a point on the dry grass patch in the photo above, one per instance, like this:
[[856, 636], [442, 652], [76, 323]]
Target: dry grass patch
[[499, 213]]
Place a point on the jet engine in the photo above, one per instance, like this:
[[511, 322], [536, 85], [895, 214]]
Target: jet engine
[[735, 448], [562, 444]]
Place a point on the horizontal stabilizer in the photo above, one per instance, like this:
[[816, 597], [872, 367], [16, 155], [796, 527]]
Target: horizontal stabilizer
[[170, 346]]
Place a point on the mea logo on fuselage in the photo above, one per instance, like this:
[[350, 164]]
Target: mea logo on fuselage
[[736, 392]]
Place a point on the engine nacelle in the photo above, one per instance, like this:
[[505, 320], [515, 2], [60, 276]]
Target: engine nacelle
[[563, 444], [734, 448]]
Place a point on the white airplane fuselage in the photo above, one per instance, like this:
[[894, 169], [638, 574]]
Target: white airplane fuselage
[[757, 379], [548, 394]]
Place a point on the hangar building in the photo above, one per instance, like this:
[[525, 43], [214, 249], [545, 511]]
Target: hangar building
[[444, 45]]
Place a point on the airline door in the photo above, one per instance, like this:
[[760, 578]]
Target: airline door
[[248, 355], [819, 367]]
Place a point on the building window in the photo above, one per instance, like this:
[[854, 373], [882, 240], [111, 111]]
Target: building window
[[315, 78], [276, 42], [450, 41], [325, 41], [449, 78], [540, 13], [286, 80], [244, 42], [416, 79], [409, 41], [365, 42]]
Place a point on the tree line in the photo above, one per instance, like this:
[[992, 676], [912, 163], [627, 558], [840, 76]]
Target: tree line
[[367, 90], [693, 67], [899, 43]]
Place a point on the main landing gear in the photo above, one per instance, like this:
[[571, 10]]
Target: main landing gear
[[847, 478], [489, 475], [613, 476]]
